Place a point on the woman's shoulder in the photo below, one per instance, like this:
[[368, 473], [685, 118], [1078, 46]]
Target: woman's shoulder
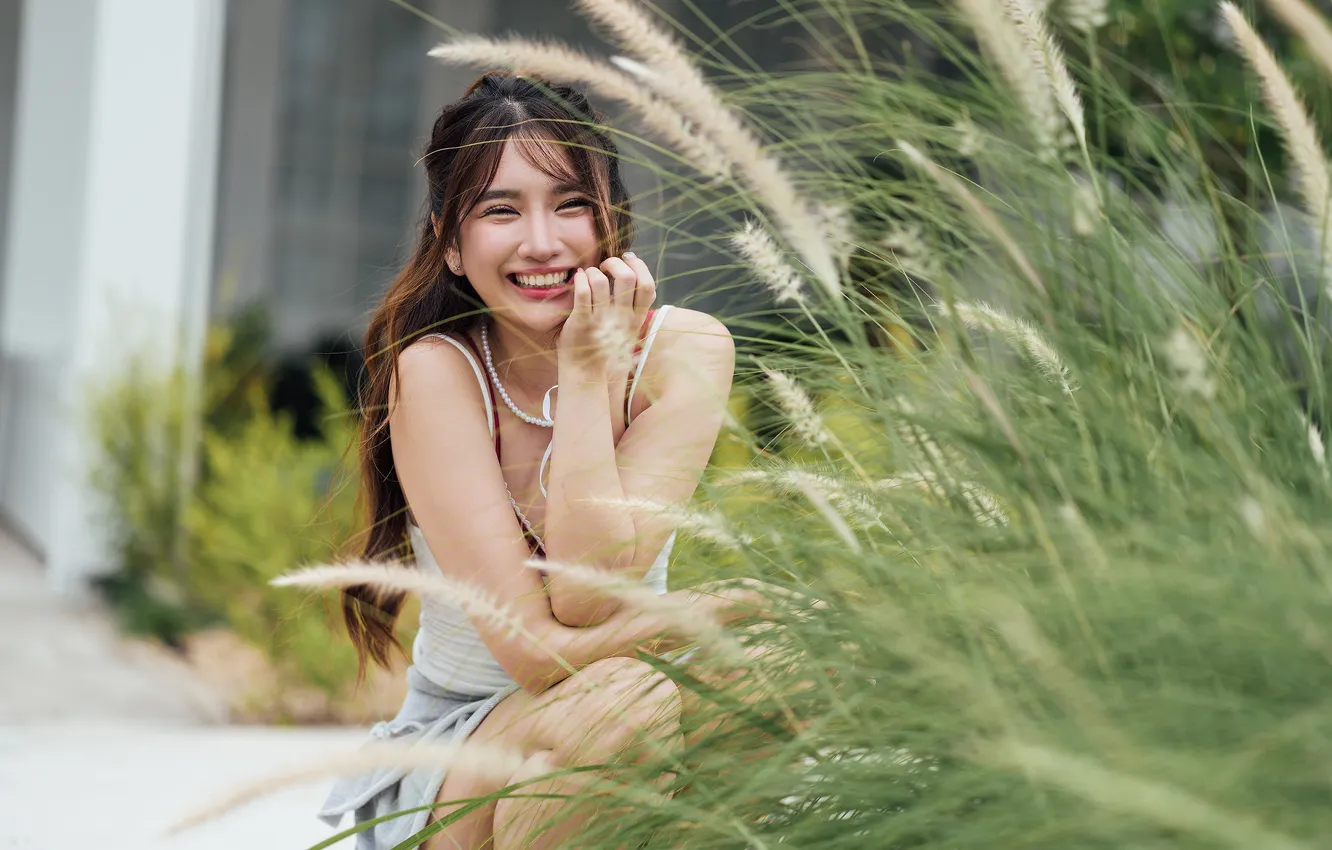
[[694, 328], [689, 341], [435, 359]]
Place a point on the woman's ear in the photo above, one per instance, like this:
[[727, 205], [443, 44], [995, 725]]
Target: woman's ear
[[454, 259]]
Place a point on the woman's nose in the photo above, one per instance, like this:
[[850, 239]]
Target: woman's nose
[[540, 241]]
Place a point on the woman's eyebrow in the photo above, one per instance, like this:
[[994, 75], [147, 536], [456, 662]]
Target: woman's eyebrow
[[513, 195]]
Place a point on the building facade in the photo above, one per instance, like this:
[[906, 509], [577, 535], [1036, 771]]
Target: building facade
[[166, 162]]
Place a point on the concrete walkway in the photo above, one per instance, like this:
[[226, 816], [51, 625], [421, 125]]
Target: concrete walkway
[[104, 741], [119, 787]]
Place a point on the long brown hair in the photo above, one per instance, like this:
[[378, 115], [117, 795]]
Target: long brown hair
[[460, 161]]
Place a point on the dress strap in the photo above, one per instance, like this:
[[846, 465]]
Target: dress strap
[[474, 358], [647, 335]]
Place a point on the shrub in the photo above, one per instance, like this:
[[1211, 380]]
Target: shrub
[[210, 495]]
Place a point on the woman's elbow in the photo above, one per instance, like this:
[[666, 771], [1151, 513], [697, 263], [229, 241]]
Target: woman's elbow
[[582, 609]]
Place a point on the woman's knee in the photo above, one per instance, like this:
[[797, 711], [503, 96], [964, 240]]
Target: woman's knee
[[623, 701]]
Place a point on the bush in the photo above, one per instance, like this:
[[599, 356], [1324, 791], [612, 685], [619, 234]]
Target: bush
[[212, 494]]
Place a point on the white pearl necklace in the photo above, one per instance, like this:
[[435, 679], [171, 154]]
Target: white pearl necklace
[[547, 421]]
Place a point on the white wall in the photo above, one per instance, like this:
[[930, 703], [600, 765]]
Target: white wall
[[110, 234]]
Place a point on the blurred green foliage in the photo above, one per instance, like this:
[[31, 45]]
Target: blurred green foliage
[[1176, 60], [211, 494]]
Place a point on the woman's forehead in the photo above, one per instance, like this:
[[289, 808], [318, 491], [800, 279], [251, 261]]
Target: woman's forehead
[[535, 162]]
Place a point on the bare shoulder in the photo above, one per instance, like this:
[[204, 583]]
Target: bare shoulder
[[691, 343], [433, 367], [693, 327]]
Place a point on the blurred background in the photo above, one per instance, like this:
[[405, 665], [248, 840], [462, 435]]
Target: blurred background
[[200, 203]]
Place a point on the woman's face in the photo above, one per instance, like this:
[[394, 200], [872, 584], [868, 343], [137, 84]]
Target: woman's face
[[521, 243]]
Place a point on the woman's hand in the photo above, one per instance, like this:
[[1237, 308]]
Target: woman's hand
[[611, 302]]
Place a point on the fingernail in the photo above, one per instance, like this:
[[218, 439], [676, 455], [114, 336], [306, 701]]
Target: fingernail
[[630, 254]]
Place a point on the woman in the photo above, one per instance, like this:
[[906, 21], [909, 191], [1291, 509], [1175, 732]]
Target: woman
[[520, 282]]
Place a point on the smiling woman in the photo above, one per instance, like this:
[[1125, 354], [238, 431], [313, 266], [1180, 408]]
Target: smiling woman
[[520, 297]]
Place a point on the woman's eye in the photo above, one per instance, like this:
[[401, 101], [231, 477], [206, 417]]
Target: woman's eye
[[499, 211], [573, 203]]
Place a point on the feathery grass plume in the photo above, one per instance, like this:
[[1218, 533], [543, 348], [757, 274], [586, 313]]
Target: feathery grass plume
[[556, 62], [613, 338], [968, 137], [484, 760], [839, 228], [769, 265], [1188, 359], [983, 215], [1306, 151], [1086, 207], [797, 481], [907, 245], [980, 316], [798, 407], [999, 37], [639, 597], [1316, 446], [710, 526], [983, 504], [633, 67], [1254, 517], [675, 77], [1151, 800], [1043, 51], [1309, 25], [1085, 15], [474, 601], [825, 508]]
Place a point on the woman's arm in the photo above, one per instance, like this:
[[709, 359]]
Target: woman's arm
[[446, 464], [659, 460]]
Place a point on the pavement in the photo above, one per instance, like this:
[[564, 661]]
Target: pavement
[[105, 742]]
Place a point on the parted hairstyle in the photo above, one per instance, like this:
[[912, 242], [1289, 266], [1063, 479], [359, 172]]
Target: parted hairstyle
[[561, 134]]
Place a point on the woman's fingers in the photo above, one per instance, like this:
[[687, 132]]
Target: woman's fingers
[[646, 284], [625, 282], [600, 286], [582, 292]]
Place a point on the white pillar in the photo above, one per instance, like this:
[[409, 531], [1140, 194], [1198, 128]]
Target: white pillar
[[110, 237]]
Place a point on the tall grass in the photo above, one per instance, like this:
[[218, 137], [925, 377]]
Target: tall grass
[[1063, 489]]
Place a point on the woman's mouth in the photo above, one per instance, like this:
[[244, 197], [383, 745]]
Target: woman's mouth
[[542, 285]]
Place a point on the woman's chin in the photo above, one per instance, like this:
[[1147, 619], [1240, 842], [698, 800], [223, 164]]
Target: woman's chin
[[540, 314]]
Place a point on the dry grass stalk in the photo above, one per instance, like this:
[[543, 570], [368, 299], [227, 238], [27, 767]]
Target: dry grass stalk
[[488, 761], [1000, 38], [1317, 447], [473, 601], [1021, 333], [906, 242], [1309, 25], [675, 77], [799, 481], [1186, 356], [798, 408], [556, 62], [983, 215], [1306, 151], [637, 596], [834, 519], [983, 504], [769, 264], [1043, 52], [1085, 15], [709, 526]]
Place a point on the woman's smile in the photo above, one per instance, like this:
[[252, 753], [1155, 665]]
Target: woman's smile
[[542, 284]]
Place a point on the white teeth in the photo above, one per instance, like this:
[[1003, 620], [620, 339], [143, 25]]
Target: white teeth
[[541, 281]]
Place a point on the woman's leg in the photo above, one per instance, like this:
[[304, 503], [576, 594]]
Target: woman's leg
[[615, 708]]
